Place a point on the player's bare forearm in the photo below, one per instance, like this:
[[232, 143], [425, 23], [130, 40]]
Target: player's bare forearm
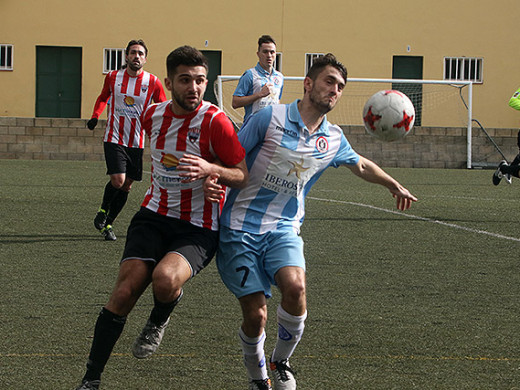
[[194, 168], [242, 101], [371, 172]]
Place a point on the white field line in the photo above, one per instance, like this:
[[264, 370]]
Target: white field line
[[416, 217]]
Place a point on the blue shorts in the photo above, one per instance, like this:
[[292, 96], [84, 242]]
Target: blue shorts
[[248, 262]]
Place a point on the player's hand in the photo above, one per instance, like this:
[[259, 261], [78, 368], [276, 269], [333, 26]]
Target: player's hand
[[403, 198], [91, 124], [266, 90], [213, 192], [194, 168]]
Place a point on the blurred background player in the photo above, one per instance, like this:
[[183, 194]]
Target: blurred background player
[[504, 169], [175, 233], [287, 149], [129, 90], [262, 85]]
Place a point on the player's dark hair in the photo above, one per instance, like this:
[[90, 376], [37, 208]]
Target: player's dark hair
[[320, 63], [136, 42], [265, 39], [185, 55]]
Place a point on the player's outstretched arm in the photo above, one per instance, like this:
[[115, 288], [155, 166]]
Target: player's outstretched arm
[[194, 168], [371, 172]]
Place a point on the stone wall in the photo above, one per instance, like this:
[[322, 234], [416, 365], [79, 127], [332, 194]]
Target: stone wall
[[69, 139]]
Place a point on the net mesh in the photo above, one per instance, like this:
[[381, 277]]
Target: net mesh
[[437, 105]]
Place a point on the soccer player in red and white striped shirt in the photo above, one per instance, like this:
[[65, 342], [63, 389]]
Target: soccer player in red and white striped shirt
[[130, 91], [175, 233]]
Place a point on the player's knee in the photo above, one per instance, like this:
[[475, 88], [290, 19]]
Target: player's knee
[[117, 182]]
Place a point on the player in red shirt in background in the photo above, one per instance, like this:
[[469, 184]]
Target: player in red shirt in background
[[129, 92], [175, 233]]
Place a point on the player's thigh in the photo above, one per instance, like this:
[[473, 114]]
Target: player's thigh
[[240, 262], [285, 249]]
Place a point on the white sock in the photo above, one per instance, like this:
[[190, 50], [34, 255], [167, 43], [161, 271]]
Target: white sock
[[254, 355], [290, 331]]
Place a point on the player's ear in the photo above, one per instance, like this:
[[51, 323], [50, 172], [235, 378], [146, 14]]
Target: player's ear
[[168, 83], [307, 84]]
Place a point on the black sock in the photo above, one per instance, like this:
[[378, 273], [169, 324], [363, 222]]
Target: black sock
[[108, 196], [117, 204], [107, 331], [161, 311]]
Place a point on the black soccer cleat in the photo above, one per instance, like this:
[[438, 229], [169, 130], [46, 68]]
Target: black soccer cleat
[[498, 175], [100, 220], [108, 233]]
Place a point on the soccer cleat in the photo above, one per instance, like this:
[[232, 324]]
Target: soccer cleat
[[108, 233], [89, 385], [101, 219], [149, 339], [498, 175], [260, 384], [283, 375]]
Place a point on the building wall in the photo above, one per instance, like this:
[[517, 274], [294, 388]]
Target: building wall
[[363, 35], [69, 139]]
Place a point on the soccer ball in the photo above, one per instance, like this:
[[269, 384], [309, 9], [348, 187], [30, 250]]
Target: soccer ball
[[388, 115]]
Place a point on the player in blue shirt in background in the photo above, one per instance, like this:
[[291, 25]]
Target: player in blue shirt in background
[[287, 149], [262, 85]]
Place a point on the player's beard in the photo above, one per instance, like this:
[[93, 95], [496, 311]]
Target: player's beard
[[182, 104], [318, 102], [135, 67]]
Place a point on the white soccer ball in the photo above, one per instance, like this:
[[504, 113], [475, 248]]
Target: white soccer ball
[[388, 115]]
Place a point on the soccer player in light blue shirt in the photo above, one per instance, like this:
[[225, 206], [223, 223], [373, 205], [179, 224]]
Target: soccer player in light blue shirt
[[262, 85], [287, 149]]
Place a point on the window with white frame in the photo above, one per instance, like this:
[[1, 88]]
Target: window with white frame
[[309, 60], [6, 57], [463, 69], [113, 59], [278, 62]]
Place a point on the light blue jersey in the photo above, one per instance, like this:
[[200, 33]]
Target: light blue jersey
[[252, 82], [284, 161]]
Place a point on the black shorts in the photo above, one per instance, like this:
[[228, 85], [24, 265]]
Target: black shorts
[[151, 236], [122, 159]]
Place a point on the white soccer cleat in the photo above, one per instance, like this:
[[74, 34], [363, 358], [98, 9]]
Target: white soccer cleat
[[149, 339], [283, 375]]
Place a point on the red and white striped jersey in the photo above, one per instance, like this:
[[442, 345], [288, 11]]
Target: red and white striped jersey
[[127, 97], [208, 133]]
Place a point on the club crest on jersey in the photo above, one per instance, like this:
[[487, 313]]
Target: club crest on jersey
[[322, 145], [193, 134], [169, 161], [144, 88], [277, 81], [129, 101]]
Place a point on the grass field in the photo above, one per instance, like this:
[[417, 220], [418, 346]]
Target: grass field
[[427, 299]]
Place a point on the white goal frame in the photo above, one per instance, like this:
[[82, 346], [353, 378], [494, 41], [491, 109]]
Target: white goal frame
[[468, 104]]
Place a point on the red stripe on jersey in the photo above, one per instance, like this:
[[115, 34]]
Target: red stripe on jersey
[[183, 134], [163, 202], [147, 122], [137, 87], [204, 141], [148, 197], [121, 129], [132, 133], [207, 215], [161, 138], [124, 84], [186, 204]]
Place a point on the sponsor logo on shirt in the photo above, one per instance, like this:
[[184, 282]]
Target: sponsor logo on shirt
[[289, 132]]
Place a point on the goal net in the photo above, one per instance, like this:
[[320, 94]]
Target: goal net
[[438, 103]]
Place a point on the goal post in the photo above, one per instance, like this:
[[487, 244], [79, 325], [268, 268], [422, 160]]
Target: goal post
[[438, 103]]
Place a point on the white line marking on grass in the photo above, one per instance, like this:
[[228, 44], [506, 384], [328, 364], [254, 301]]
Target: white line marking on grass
[[411, 216]]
